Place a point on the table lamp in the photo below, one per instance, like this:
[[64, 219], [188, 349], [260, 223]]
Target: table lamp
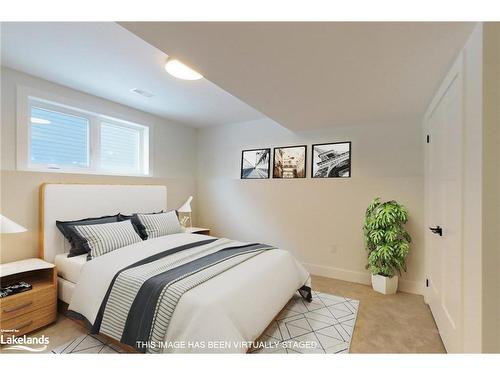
[[8, 226], [186, 209]]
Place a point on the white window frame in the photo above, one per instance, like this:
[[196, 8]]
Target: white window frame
[[28, 98]]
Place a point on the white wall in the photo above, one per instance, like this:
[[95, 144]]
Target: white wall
[[173, 160], [319, 220]]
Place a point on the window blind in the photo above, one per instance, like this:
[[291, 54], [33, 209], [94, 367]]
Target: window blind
[[58, 139], [120, 147]]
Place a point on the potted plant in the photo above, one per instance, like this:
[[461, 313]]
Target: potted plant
[[387, 243]]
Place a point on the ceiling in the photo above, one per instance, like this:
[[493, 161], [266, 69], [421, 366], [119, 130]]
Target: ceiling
[[106, 60], [316, 75], [302, 75]]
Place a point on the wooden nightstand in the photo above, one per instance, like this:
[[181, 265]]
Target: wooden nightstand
[[26, 311], [196, 230]]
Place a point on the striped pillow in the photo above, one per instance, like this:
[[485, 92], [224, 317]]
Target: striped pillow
[[157, 225], [100, 239], [68, 231]]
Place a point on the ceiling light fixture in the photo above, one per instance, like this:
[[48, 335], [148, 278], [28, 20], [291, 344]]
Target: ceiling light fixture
[[179, 70], [40, 121]]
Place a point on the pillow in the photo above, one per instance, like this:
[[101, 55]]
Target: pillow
[[122, 217], [67, 229], [100, 239], [157, 225], [136, 223]]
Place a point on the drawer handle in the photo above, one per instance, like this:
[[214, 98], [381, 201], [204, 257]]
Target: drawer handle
[[23, 325], [18, 307]]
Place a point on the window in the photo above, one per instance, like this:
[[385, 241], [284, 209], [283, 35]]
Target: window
[[120, 148], [56, 137]]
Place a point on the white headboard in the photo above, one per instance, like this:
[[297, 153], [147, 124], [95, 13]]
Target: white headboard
[[79, 201]]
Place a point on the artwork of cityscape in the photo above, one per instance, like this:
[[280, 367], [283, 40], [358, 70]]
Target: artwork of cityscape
[[255, 164], [331, 160], [290, 162]]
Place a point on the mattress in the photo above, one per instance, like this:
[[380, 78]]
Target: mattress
[[65, 290], [69, 268]]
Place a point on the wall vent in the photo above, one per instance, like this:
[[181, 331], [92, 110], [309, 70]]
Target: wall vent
[[141, 92]]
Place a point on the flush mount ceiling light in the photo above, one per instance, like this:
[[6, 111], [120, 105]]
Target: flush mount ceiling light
[[41, 121], [179, 70]]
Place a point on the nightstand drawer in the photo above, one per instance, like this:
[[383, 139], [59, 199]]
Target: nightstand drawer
[[26, 302], [30, 321]]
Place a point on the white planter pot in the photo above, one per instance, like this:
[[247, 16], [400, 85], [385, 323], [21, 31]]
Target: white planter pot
[[385, 285]]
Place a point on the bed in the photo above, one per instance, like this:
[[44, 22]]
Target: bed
[[224, 312]]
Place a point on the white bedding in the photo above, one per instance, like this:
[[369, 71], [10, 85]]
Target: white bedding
[[70, 268], [235, 306]]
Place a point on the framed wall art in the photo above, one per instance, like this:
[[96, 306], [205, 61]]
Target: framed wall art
[[330, 160], [290, 162], [255, 164]]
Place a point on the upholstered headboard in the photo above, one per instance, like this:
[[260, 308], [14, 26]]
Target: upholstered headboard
[[79, 201]]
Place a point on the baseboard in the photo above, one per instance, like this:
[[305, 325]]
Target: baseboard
[[410, 286], [406, 286], [338, 273]]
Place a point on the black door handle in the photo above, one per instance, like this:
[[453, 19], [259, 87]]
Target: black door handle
[[437, 230]]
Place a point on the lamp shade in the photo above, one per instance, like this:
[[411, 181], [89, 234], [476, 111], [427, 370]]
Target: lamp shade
[[186, 207], [8, 226]]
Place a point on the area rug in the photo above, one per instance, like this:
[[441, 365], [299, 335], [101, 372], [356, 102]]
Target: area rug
[[323, 326]]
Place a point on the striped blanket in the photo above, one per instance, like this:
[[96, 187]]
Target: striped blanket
[[142, 297]]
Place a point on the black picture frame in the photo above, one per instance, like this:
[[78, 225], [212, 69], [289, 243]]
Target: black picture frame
[[243, 177], [348, 165], [288, 147]]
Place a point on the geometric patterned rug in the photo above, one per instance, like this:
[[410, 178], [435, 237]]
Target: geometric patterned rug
[[324, 325], [88, 344]]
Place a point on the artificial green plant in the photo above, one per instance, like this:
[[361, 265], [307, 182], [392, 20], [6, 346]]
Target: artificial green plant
[[386, 239]]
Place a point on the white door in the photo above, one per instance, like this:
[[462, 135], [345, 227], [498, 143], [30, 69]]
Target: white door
[[444, 210]]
